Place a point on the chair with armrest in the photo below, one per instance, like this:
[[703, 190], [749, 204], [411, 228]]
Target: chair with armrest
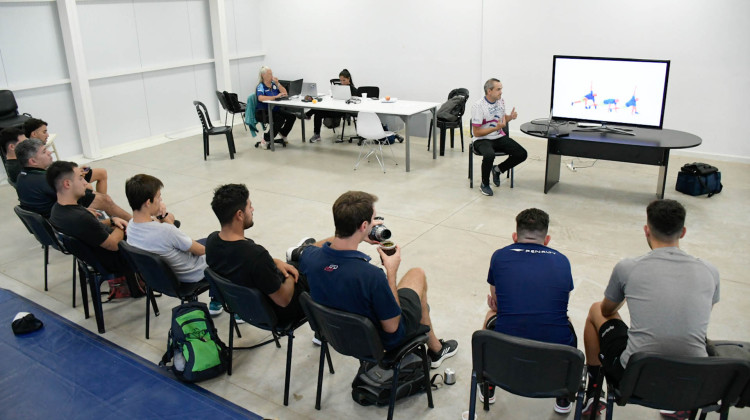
[[525, 367], [209, 130], [371, 130], [679, 383], [9, 116], [474, 151], [234, 106], [356, 336], [254, 308], [159, 277], [444, 125], [45, 234]]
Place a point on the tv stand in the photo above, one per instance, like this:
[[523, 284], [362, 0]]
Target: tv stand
[[604, 128]]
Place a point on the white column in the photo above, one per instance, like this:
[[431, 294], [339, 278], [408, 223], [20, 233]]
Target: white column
[[79, 80], [218, 12]]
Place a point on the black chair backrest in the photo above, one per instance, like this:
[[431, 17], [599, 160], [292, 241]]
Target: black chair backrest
[[203, 115], [250, 304], [335, 81], [8, 105], [39, 227], [222, 100], [349, 334], [154, 270], [232, 101], [526, 367], [682, 383], [371, 91], [81, 251]]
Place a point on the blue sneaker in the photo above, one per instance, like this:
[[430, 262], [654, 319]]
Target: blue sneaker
[[485, 189], [238, 320], [215, 308]]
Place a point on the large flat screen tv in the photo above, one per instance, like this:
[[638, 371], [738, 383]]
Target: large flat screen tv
[[615, 91]]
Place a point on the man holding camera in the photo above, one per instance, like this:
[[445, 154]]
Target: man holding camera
[[341, 277]]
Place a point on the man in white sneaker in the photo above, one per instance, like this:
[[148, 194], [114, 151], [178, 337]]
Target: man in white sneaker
[[489, 121], [341, 277]]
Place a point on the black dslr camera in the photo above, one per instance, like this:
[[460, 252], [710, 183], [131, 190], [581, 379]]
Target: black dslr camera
[[379, 232]]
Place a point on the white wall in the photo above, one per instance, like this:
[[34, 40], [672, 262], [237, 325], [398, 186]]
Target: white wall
[[705, 41], [146, 60]]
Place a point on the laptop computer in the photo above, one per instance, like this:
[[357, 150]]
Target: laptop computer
[[341, 92], [310, 89]]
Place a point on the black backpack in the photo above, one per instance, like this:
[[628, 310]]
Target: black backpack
[[193, 346], [332, 122], [699, 178], [373, 384]]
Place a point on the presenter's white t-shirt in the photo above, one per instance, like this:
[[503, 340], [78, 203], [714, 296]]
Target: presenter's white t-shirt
[[485, 114]]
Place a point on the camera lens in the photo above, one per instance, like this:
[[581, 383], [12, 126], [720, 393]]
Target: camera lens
[[379, 233]]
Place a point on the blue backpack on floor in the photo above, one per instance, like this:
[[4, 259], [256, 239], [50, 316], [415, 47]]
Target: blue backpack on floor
[[699, 178]]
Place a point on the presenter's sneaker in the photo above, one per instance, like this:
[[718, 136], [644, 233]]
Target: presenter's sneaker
[[680, 415], [449, 349], [563, 405], [496, 175], [316, 340], [215, 308], [490, 393], [485, 189], [315, 138], [293, 253], [238, 320]]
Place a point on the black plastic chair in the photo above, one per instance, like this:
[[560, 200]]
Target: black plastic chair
[[335, 81], [45, 234], [525, 367], [444, 125], [679, 383], [371, 91], [356, 336], [159, 277], [234, 106], [223, 103], [93, 271], [9, 116], [210, 130], [254, 308], [510, 174]]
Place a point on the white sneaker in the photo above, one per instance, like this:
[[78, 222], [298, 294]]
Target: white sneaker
[[293, 253], [315, 138]]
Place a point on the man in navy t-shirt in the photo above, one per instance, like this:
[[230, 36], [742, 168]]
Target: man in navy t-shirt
[[341, 277], [529, 288]]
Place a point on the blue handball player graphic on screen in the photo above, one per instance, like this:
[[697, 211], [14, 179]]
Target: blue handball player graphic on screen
[[632, 102], [591, 96]]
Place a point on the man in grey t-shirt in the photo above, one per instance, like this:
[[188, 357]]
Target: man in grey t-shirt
[[670, 295]]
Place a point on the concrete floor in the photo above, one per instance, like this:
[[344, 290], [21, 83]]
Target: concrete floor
[[597, 214]]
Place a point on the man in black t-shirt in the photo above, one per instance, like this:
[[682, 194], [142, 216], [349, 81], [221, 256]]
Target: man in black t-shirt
[[9, 139], [70, 218], [36, 195], [240, 260]]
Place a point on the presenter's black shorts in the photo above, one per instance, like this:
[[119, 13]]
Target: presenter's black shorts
[[411, 311], [613, 338], [87, 199]]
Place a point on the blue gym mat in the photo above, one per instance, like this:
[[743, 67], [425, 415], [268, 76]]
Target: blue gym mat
[[63, 371]]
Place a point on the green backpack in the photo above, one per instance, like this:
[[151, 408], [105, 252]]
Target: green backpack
[[193, 347]]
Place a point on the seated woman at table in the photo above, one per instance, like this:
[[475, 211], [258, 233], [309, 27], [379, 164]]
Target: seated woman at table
[[270, 89], [346, 80]]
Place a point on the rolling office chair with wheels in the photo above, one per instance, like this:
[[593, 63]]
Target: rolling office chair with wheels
[[9, 116]]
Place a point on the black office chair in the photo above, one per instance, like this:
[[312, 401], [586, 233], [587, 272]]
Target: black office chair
[[355, 335], [254, 308], [45, 234], [234, 106], [371, 91], [93, 271], [679, 383], [525, 367], [223, 103], [444, 125], [210, 130], [159, 277], [510, 174], [9, 116], [335, 81]]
